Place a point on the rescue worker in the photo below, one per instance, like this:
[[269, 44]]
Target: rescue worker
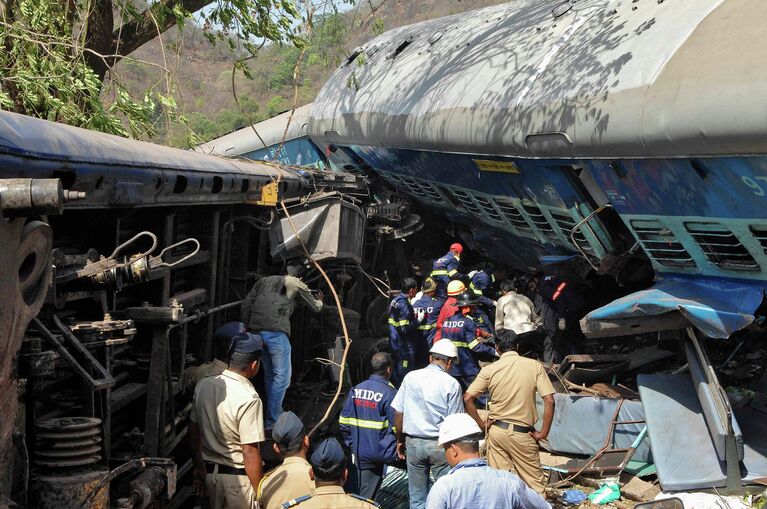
[[481, 320], [403, 335], [423, 401], [447, 268], [329, 473], [291, 479], [427, 309], [266, 310], [482, 285], [463, 332], [471, 482], [226, 428], [366, 423], [512, 382], [222, 339], [454, 289]]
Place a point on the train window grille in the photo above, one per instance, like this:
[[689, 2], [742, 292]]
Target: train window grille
[[661, 245], [429, 191], [512, 214], [464, 200], [566, 223], [488, 208], [540, 221], [721, 247], [760, 234]]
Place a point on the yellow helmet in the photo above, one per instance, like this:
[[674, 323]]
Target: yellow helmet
[[455, 288]]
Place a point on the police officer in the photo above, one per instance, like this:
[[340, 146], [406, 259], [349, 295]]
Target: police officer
[[463, 332], [403, 335], [366, 423], [447, 268], [454, 289], [226, 428], [427, 310], [511, 382], [291, 479], [329, 473]]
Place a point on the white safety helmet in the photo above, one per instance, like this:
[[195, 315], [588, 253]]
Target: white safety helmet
[[444, 347], [456, 427]]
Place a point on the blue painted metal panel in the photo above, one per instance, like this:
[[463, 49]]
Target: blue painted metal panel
[[297, 152], [717, 307]]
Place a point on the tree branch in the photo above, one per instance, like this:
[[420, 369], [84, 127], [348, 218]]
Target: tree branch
[[135, 33]]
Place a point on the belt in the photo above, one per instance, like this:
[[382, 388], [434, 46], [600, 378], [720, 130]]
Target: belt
[[216, 468], [515, 427], [421, 437]]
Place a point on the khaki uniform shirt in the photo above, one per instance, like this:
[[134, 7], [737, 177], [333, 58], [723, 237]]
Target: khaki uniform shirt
[[512, 382], [331, 497], [270, 303], [229, 413], [286, 482], [194, 374]]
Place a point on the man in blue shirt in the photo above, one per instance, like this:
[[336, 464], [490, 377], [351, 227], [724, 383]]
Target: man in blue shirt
[[423, 401], [482, 285], [427, 310], [471, 483], [366, 427], [403, 335], [464, 333], [447, 268]]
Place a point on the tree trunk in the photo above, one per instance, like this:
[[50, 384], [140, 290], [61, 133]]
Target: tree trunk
[[98, 36]]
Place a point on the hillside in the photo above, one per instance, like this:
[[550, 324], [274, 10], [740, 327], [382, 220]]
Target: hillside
[[203, 72]]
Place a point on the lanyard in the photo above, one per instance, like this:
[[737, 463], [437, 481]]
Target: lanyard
[[480, 463]]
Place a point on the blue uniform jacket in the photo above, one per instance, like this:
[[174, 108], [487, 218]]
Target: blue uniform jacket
[[367, 420], [482, 321], [481, 283], [462, 331], [402, 326], [432, 306], [443, 271]]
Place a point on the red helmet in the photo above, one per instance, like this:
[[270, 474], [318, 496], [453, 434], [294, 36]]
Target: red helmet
[[456, 247]]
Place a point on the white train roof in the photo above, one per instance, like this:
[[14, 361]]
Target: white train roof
[[271, 132], [539, 78]]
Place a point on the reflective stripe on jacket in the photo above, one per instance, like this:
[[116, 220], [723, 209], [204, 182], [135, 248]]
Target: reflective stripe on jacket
[[462, 331], [367, 421]]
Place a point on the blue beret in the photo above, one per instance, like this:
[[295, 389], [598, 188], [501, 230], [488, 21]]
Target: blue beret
[[246, 342], [327, 454], [288, 430], [229, 330]]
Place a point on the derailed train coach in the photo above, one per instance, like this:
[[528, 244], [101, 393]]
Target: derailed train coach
[[625, 135], [118, 260]]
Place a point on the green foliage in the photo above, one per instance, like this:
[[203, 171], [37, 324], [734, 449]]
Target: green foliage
[[48, 67], [276, 105]]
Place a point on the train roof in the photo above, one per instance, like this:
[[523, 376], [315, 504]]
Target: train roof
[[543, 78], [271, 132], [27, 138]]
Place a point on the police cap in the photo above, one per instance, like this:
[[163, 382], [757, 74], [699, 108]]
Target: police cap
[[327, 454], [246, 342], [288, 431]]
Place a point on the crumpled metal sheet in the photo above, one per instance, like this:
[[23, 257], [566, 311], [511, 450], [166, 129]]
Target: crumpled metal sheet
[[717, 307]]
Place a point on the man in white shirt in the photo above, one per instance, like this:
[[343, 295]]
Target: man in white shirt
[[424, 399], [515, 312]]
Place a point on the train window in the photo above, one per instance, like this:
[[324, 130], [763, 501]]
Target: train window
[[157, 183], [180, 185], [99, 182], [245, 185], [218, 185]]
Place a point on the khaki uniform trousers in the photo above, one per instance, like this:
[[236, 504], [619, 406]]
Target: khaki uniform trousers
[[226, 491], [518, 452]]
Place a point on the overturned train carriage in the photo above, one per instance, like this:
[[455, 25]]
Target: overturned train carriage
[[117, 260], [628, 134]]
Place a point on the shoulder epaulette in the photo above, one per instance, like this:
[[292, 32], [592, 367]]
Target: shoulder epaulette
[[295, 501], [261, 482], [358, 497]]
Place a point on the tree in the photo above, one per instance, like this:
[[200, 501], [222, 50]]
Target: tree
[[57, 54]]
